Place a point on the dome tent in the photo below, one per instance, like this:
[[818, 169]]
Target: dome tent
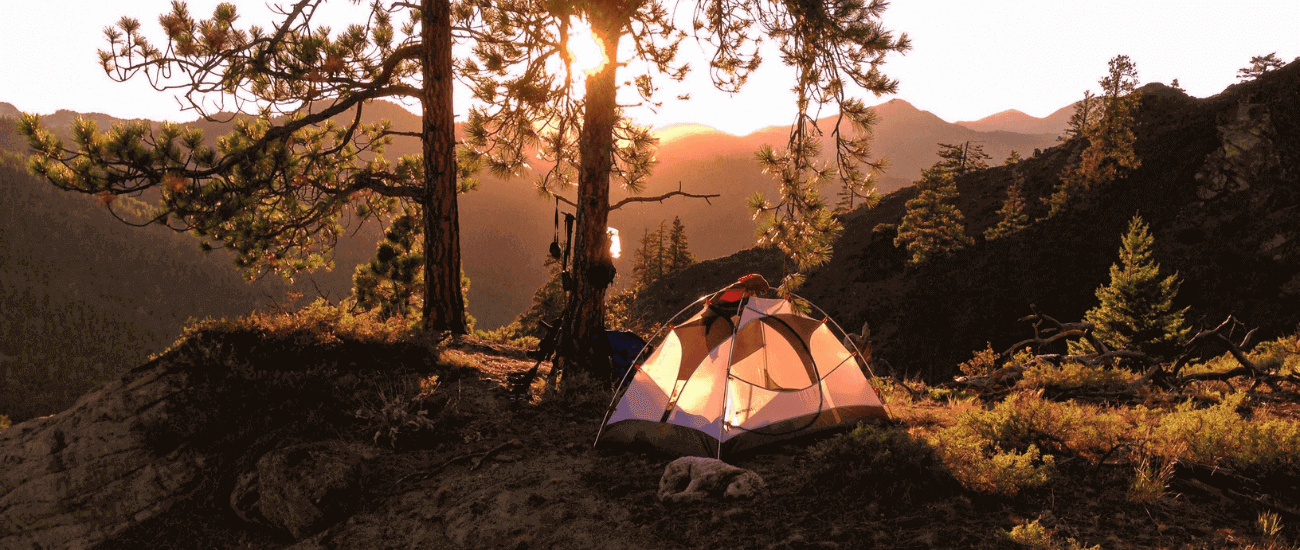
[[738, 373]]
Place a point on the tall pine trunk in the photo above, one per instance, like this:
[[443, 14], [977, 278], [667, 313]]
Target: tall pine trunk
[[444, 307], [584, 314]]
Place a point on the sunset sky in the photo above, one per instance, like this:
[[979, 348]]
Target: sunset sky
[[970, 59]]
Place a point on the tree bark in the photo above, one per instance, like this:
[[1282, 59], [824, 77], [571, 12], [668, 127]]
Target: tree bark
[[444, 307], [584, 314]]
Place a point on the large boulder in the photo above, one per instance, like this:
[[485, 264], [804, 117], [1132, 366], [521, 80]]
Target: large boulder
[[79, 477], [182, 428], [302, 488]]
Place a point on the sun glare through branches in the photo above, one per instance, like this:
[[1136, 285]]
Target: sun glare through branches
[[587, 52]]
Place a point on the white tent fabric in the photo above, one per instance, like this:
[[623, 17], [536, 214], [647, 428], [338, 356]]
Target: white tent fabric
[[739, 375]]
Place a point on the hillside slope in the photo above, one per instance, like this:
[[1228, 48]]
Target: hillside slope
[[83, 297], [1217, 185], [504, 260]]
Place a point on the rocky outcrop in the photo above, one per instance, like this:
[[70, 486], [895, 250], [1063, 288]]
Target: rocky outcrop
[[79, 477], [302, 488], [183, 427], [1247, 153]]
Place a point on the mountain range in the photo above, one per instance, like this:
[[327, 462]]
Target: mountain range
[[1217, 185], [504, 261]]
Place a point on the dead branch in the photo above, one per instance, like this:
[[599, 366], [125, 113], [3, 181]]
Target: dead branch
[[323, 295], [1082, 329], [664, 196], [1225, 483], [1216, 335], [478, 459], [659, 198]]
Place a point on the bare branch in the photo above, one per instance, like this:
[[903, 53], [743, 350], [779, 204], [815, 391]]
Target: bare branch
[[663, 197]]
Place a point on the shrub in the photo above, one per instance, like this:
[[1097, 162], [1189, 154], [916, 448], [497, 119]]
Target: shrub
[[1000, 450], [1220, 435], [317, 323], [1025, 419], [1282, 355], [874, 462], [4, 422], [1033, 535], [982, 364], [1073, 376], [399, 414], [950, 395], [1149, 481], [1000, 471], [1037, 537]]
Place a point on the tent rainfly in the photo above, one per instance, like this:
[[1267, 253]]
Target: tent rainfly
[[739, 373]]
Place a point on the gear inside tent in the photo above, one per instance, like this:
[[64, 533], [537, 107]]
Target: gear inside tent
[[740, 372]]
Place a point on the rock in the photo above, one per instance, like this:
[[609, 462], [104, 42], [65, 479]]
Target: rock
[[80, 477], [694, 478], [176, 429], [1247, 152], [302, 488]]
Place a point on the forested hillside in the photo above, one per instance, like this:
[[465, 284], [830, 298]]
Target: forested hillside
[[84, 297], [1216, 183]]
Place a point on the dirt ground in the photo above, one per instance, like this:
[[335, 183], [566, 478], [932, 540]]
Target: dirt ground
[[546, 487]]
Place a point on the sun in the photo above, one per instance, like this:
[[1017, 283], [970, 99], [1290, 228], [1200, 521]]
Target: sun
[[587, 51]]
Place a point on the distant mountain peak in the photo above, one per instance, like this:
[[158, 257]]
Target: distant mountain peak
[[1014, 120], [898, 103], [681, 130]]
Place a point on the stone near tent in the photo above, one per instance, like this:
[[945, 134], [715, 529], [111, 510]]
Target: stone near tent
[[302, 488], [693, 478]]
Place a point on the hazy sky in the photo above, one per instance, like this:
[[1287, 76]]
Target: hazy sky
[[970, 58]]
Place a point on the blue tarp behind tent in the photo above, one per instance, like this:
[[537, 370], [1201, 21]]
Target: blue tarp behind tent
[[623, 348]]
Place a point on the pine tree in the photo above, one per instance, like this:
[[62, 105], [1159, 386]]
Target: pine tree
[[679, 253], [1259, 65], [962, 158], [801, 225], [391, 282], [1013, 216], [1110, 153], [647, 262], [834, 49], [1110, 147], [932, 226], [1086, 113], [662, 251], [1136, 310], [274, 190], [1012, 159]]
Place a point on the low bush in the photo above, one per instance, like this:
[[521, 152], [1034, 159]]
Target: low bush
[[1219, 434], [314, 324], [1026, 419], [1036, 536], [1076, 376], [1002, 450], [1151, 477], [874, 462], [983, 363], [402, 413]]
